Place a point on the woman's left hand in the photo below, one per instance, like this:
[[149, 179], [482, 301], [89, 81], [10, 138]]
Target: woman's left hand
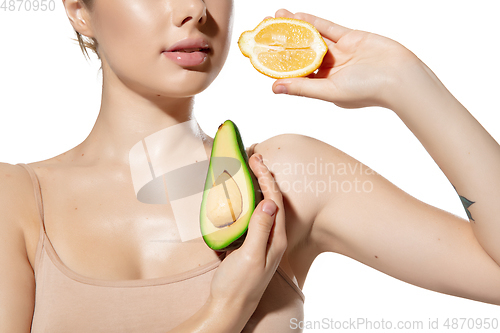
[[359, 70]]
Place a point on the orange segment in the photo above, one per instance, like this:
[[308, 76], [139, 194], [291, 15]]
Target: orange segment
[[285, 34], [284, 47], [287, 61]]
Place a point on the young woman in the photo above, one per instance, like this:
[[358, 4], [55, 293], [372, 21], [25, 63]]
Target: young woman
[[76, 247]]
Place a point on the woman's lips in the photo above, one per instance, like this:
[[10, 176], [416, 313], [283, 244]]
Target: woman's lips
[[189, 51], [187, 59]]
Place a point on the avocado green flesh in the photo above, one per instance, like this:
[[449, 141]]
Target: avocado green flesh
[[228, 156]]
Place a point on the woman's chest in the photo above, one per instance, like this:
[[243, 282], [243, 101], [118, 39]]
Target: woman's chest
[[99, 229], [126, 248]]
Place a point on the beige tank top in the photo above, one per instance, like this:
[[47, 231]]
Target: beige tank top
[[66, 301]]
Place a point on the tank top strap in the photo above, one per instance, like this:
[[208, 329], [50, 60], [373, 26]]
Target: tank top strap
[[36, 188], [39, 202]]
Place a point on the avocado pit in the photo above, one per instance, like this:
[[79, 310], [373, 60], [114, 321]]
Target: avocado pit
[[224, 201]]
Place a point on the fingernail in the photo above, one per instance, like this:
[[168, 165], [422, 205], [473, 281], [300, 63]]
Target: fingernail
[[259, 158], [269, 208], [281, 90]]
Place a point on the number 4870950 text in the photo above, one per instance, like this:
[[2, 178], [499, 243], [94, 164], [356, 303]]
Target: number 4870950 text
[[28, 5]]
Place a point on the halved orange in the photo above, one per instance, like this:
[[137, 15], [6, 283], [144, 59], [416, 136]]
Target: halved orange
[[284, 47]]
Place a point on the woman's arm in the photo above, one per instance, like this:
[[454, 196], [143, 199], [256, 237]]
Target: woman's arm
[[383, 226], [462, 148], [349, 209]]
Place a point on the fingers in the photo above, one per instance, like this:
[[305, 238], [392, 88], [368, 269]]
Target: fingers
[[284, 13], [266, 242], [270, 190], [326, 28], [259, 229], [317, 88]]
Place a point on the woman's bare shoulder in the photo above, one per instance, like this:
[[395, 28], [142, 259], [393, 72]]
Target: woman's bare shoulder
[[16, 192], [295, 161], [294, 151], [293, 141]]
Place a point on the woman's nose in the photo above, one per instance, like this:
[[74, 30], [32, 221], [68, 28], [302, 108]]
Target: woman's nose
[[193, 11]]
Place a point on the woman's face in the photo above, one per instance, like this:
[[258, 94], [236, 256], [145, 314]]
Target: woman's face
[[133, 35]]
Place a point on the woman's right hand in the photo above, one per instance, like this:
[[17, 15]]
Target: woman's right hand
[[243, 275], [360, 68]]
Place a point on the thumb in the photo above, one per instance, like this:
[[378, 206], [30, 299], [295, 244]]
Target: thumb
[[307, 87], [259, 228]]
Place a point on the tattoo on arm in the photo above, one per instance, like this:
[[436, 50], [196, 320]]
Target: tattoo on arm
[[466, 203]]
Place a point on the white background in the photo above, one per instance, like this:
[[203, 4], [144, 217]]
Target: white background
[[50, 99]]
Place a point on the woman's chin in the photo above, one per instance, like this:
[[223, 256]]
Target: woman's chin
[[187, 85], [183, 93], [173, 89]]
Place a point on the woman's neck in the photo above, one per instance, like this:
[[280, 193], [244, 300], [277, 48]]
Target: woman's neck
[[126, 117]]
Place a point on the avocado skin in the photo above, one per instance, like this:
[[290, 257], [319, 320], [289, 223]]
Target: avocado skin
[[255, 188], [236, 244]]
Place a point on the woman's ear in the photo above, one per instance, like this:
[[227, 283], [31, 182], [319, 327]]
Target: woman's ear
[[79, 17]]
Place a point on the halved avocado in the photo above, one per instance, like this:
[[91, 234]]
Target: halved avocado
[[231, 191]]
